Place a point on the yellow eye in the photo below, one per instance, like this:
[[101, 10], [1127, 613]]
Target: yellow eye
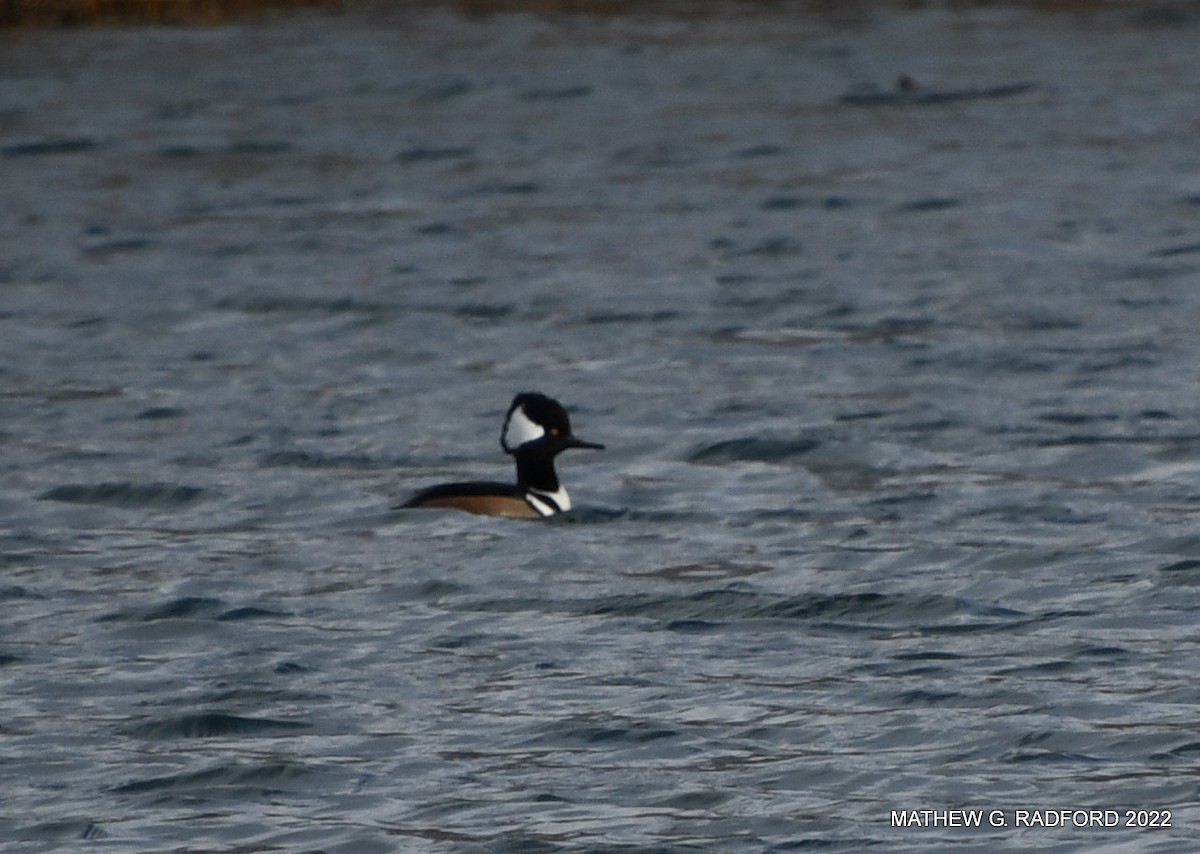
[[554, 432]]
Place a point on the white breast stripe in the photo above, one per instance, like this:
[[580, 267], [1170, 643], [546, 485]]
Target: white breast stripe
[[549, 503], [521, 429]]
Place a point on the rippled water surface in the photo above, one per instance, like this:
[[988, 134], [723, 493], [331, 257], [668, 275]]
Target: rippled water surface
[[889, 322]]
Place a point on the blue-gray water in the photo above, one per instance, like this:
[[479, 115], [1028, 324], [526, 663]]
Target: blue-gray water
[[901, 498]]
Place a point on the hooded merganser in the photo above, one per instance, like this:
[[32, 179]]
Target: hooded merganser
[[536, 430]]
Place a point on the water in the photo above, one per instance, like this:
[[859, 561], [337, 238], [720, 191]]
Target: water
[[899, 507]]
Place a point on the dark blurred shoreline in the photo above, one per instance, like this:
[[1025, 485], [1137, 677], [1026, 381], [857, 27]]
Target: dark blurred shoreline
[[72, 13]]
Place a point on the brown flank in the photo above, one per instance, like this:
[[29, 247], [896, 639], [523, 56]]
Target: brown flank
[[486, 505]]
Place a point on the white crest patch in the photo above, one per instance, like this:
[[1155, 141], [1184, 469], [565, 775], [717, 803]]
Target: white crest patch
[[541, 505], [520, 428]]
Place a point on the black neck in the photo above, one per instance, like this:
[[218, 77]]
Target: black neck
[[536, 472]]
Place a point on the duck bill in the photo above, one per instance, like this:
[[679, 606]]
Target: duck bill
[[579, 443]]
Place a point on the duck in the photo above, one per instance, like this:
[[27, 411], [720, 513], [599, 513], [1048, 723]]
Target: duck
[[536, 429]]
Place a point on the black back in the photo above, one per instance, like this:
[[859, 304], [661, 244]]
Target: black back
[[465, 489]]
